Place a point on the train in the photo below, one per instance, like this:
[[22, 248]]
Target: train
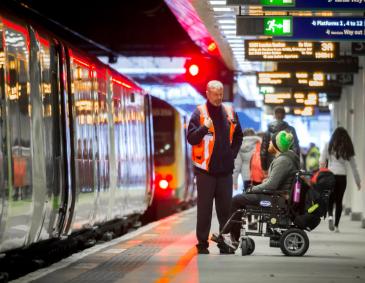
[[81, 146], [174, 186]]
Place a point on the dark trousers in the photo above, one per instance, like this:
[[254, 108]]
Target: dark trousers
[[212, 188], [336, 197], [240, 202]]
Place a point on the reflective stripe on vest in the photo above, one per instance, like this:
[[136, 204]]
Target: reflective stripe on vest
[[202, 152]]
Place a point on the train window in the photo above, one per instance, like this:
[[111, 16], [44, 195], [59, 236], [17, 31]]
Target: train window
[[164, 129], [83, 123], [118, 135], [103, 134], [18, 84], [48, 62]]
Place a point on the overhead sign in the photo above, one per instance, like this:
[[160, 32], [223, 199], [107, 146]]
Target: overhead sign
[[304, 79], [345, 64], [278, 26], [303, 4], [303, 28], [302, 111], [267, 50], [289, 79], [288, 97], [294, 96], [358, 48]]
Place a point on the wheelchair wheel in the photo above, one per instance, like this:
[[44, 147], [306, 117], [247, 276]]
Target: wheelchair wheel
[[294, 242], [247, 246]]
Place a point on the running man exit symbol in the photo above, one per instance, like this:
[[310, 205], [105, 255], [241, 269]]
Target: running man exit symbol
[[274, 3], [278, 26]]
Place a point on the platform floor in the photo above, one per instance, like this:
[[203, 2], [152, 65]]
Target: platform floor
[[164, 252]]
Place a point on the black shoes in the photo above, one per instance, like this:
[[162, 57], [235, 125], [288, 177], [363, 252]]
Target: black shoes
[[225, 250], [225, 243], [202, 250]]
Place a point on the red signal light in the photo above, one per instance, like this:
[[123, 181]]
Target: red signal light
[[193, 70], [163, 184]]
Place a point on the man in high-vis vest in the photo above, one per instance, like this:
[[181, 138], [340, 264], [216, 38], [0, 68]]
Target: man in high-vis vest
[[216, 136]]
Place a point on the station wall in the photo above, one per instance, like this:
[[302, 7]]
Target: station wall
[[349, 113]]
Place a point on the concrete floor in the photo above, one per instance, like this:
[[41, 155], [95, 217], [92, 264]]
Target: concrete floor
[[164, 252]]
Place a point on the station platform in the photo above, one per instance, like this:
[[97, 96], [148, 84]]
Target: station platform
[[164, 251]]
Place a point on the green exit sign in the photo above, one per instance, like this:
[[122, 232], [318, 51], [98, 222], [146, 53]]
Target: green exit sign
[[278, 26], [275, 3]]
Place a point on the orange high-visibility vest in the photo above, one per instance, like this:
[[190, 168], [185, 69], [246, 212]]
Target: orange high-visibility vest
[[202, 152]]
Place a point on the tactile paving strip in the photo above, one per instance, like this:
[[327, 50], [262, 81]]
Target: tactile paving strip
[[133, 254]]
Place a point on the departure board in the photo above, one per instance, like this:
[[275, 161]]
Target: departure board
[[289, 79], [288, 97], [267, 50]]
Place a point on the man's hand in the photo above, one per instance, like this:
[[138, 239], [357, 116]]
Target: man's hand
[[249, 190], [208, 122], [235, 187], [266, 173]]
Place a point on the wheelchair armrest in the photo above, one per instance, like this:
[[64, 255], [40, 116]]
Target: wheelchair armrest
[[273, 192]]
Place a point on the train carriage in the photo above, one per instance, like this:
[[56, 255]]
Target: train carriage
[[75, 147]]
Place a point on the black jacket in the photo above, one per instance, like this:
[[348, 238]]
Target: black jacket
[[224, 154], [274, 127]]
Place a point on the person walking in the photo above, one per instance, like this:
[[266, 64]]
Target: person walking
[[335, 155], [312, 158], [216, 136], [274, 127], [243, 159]]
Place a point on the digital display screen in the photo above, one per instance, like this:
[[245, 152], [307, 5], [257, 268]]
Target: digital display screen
[[267, 50], [288, 79], [289, 97]]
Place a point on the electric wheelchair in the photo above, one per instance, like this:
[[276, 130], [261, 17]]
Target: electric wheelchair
[[279, 218]]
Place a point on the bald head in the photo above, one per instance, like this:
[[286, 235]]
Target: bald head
[[215, 92]]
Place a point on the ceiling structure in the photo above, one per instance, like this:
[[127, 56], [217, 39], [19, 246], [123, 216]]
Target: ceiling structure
[[129, 28], [168, 28]]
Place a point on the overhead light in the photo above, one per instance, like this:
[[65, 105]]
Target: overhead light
[[229, 31], [237, 45], [231, 36], [235, 41], [227, 21], [228, 27], [222, 9], [218, 2]]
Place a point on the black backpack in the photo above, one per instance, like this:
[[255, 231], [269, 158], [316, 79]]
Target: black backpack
[[315, 199]]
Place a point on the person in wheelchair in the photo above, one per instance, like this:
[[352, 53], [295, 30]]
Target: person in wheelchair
[[281, 177]]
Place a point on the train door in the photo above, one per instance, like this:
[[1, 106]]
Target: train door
[[18, 189], [85, 155], [50, 188], [3, 135], [150, 170], [103, 143]]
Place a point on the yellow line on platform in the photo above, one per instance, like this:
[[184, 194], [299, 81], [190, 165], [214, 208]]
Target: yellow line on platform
[[178, 267]]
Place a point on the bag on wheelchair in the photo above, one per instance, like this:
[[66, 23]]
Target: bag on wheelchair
[[315, 198]]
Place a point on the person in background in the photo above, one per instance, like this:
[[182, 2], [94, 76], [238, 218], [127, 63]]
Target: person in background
[[216, 136], [312, 158], [274, 127], [335, 155], [243, 159]]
